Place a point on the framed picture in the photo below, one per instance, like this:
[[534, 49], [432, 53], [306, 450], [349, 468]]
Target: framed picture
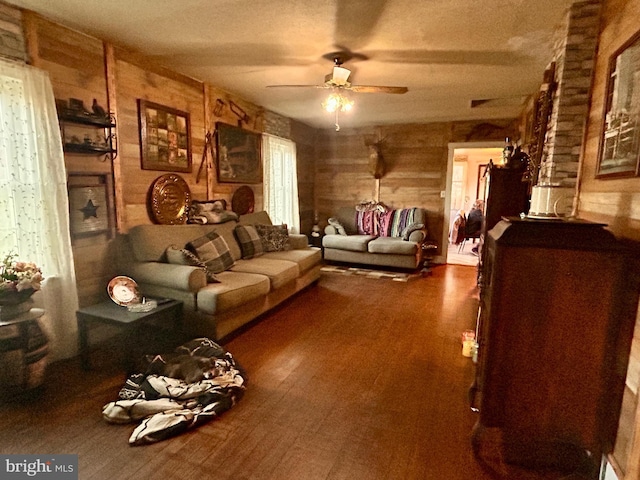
[[619, 144], [165, 140], [90, 204], [238, 155]]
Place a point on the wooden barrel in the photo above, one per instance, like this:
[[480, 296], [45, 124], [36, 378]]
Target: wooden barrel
[[24, 349]]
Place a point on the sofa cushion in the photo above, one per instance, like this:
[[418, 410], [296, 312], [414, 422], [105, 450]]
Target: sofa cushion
[[249, 241], [255, 217], [305, 258], [409, 229], [274, 237], [149, 242], [297, 241], [213, 250], [278, 271], [392, 245], [354, 243], [234, 289], [182, 256]]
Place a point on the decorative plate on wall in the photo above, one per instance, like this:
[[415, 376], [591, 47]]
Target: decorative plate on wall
[[169, 199], [243, 201]]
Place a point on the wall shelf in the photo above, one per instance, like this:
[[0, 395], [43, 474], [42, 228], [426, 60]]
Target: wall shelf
[[87, 134]]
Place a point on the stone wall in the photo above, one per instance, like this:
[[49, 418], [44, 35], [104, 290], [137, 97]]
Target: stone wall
[[575, 50]]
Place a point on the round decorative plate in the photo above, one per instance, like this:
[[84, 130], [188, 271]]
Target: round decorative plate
[[123, 290], [243, 201], [170, 199]]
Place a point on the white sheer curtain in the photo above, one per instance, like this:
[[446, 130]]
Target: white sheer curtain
[[33, 196], [280, 184]]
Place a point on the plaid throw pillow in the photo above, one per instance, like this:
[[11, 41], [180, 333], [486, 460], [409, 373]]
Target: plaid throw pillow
[[274, 237], [249, 241], [213, 250], [181, 256]]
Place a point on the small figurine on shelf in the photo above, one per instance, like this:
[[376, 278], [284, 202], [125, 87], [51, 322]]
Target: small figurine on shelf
[[98, 110]]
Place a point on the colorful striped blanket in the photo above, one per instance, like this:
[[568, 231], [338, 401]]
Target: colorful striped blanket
[[388, 223]]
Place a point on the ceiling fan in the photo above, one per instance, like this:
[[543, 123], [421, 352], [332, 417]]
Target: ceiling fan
[[338, 82], [339, 79]]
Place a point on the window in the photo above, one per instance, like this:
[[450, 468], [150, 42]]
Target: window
[[281, 181], [33, 196], [458, 181]]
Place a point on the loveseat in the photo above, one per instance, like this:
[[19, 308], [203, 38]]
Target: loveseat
[[376, 235], [217, 301]]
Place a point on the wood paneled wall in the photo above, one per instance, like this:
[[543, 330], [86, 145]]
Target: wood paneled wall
[[75, 63], [615, 202], [415, 157], [134, 80], [86, 68], [12, 44]]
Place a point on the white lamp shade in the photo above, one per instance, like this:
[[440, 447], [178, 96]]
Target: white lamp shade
[[340, 75]]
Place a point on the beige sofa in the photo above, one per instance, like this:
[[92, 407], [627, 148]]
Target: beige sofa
[[384, 247], [246, 290]]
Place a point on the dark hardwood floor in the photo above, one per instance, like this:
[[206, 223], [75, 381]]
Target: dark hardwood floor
[[354, 378]]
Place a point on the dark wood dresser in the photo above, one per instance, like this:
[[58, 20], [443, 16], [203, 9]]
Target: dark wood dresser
[[557, 311]]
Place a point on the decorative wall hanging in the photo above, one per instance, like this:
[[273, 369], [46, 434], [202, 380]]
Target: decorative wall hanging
[[239, 112], [89, 200], [217, 109], [208, 147], [541, 114], [165, 140], [169, 199], [620, 142], [242, 201], [238, 155]]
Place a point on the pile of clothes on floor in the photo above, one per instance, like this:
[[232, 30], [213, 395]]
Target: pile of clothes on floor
[[178, 391]]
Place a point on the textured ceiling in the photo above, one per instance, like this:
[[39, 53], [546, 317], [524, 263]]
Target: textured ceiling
[[447, 52]]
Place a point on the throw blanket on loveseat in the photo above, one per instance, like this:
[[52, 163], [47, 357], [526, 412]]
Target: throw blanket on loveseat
[[178, 391], [385, 223]]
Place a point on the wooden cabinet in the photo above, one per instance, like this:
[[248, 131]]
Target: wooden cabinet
[[508, 195], [557, 311]]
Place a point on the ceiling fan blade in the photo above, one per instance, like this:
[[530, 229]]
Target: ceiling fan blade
[[377, 89], [356, 21]]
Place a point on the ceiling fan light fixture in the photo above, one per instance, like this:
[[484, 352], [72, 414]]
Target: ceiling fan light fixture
[[340, 75], [336, 101]]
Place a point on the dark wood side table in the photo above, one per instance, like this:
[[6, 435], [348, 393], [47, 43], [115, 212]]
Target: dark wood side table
[[112, 314]]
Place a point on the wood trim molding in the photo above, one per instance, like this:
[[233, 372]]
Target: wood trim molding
[[110, 67]]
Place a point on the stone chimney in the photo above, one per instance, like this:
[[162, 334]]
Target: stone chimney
[[574, 54]]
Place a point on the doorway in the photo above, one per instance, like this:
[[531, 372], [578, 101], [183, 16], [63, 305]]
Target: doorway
[[465, 184]]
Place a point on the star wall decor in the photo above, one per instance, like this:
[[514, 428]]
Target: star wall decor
[[90, 210]]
